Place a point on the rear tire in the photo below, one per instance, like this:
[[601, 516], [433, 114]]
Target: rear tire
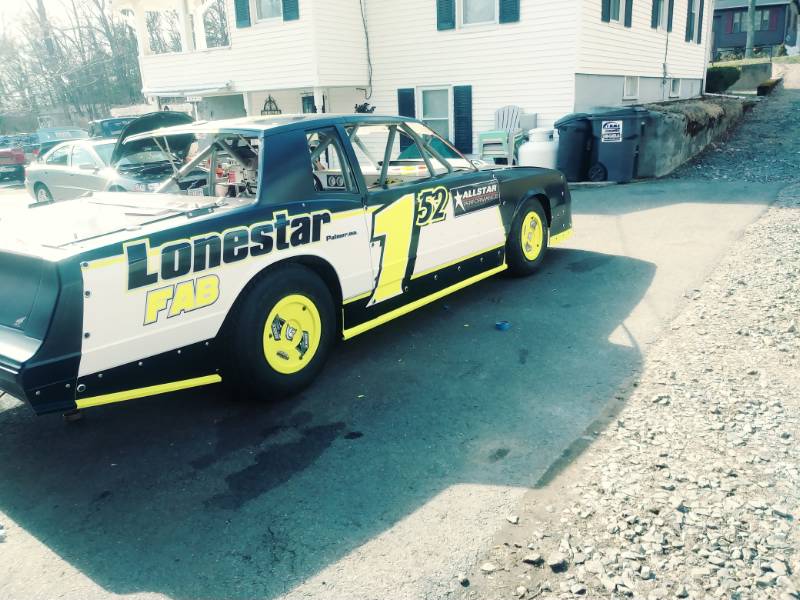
[[42, 194], [527, 242], [281, 334]]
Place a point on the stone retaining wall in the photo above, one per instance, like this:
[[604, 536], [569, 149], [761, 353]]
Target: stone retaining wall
[[677, 131]]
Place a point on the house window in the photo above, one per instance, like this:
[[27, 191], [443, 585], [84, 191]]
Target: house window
[[163, 31], [436, 110], [474, 12], [739, 22], [631, 88], [268, 9], [675, 88], [615, 10], [659, 12], [215, 24], [762, 20], [691, 34]]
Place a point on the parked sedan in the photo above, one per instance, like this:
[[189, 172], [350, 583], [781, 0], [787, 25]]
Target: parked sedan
[[78, 167]]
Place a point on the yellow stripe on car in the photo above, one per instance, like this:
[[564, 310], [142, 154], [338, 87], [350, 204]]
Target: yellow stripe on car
[[404, 310], [560, 237], [152, 390]]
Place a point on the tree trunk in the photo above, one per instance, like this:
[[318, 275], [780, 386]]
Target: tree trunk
[[751, 29]]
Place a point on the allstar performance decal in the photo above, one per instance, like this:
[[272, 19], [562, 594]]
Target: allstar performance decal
[[469, 198]]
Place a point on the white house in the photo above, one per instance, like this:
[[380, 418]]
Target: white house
[[451, 63]]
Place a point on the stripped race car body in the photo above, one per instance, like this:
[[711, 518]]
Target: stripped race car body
[[120, 296]]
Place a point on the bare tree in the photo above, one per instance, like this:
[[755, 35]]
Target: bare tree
[[84, 62]]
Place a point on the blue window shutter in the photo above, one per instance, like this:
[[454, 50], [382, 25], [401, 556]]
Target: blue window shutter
[[406, 107], [605, 14], [689, 22], [406, 104], [700, 22], [242, 9], [291, 10], [670, 14], [462, 118], [654, 15], [445, 14], [628, 13], [509, 11]]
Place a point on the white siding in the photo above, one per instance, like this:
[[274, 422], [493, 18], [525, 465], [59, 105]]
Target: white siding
[[271, 54], [612, 49], [530, 63], [341, 48]]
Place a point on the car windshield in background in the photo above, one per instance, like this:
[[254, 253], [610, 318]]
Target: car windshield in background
[[104, 151], [146, 158], [49, 135], [114, 128]]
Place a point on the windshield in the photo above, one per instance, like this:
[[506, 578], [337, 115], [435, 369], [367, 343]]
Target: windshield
[[435, 144], [104, 151], [115, 127], [62, 134], [146, 157]]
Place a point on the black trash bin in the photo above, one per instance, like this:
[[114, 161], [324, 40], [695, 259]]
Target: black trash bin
[[615, 148], [574, 146]]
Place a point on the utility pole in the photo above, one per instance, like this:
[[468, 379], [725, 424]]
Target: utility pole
[[751, 29]]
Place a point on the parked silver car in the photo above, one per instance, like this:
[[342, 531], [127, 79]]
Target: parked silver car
[[78, 167]]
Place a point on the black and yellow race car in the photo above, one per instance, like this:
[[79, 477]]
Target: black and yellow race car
[[307, 228]]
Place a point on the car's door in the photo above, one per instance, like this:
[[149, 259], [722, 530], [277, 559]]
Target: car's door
[[422, 240], [468, 235], [85, 172], [55, 172]]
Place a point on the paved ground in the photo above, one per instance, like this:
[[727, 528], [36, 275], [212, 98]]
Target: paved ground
[[387, 477]]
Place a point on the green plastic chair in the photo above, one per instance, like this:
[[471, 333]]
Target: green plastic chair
[[504, 140]]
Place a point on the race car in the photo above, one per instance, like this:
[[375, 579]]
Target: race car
[[308, 228]]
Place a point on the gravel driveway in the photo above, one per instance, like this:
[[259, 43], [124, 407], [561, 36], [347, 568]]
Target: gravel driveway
[[764, 148], [692, 490]]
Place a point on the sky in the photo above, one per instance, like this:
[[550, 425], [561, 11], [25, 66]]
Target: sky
[[12, 10]]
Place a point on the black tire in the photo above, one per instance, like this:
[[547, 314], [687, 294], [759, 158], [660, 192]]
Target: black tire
[[524, 256], [598, 172], [41, 194], [249, 369]]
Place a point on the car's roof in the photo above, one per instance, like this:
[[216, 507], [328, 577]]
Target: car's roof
[[257, 125]]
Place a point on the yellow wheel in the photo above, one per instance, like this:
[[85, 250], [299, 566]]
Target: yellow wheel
[[532, 235], [292, 334], [281, 334], [528, 238]]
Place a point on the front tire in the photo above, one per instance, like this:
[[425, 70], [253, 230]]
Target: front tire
[[527, 242], [282, 333]]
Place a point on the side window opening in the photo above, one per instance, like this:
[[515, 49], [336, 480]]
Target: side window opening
[[388, 156], [59, 157], [329, 165]]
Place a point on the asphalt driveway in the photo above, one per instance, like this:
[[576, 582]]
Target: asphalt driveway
[[392, 473]]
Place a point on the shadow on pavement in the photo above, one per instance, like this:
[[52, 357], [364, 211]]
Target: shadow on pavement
[[648, 195], [195, 495]]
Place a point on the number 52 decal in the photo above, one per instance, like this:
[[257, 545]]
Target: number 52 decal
[[393, 229]]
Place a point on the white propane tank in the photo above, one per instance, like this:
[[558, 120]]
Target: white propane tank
[[541, 149]]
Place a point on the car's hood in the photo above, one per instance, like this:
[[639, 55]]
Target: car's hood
[[156, 120], [60, 228]]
